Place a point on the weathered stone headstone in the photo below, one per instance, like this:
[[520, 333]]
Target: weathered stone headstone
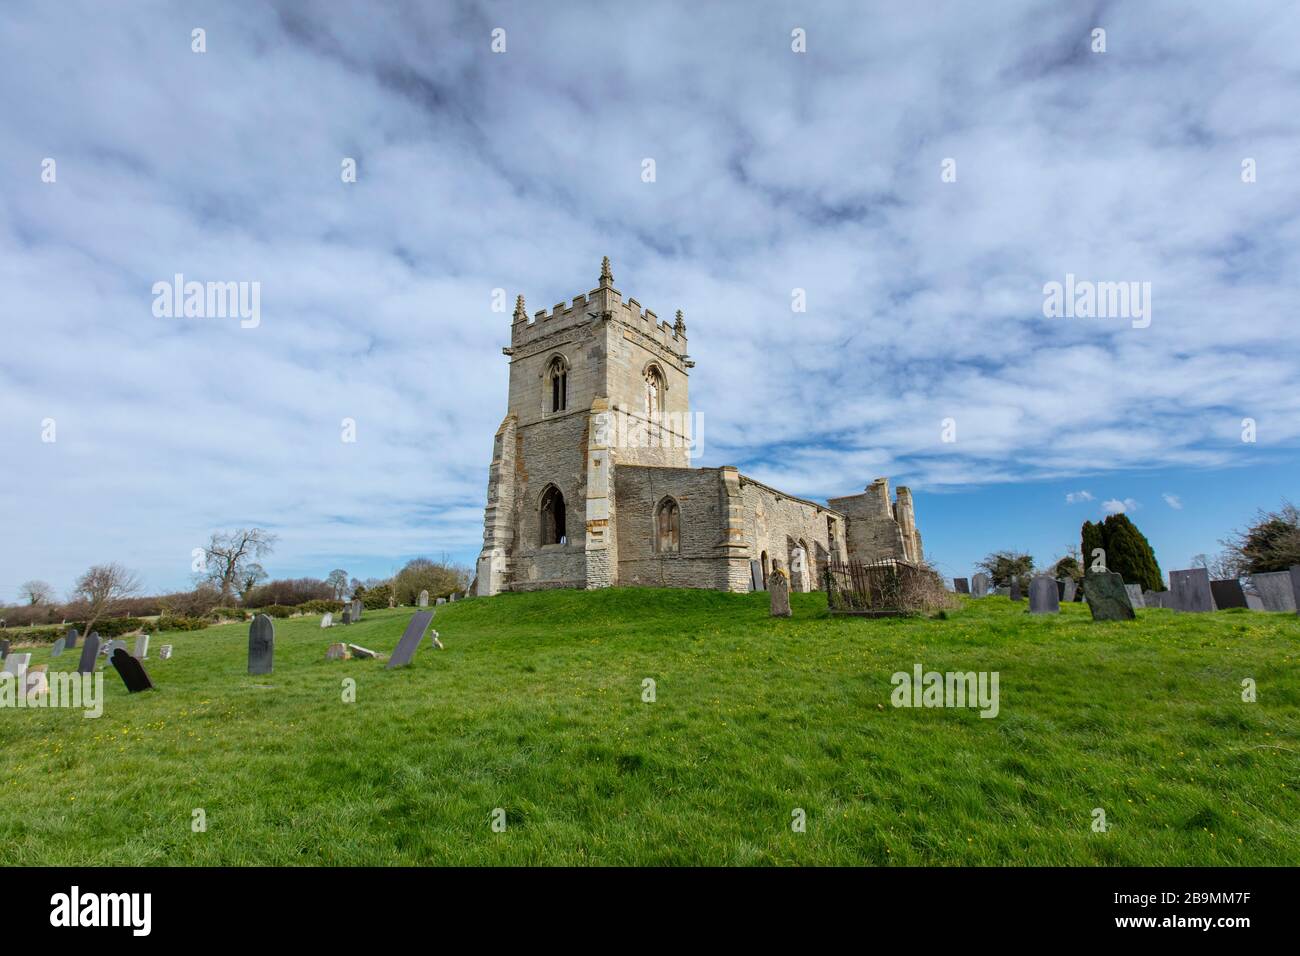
[[16, 664], [1135, 595], [347, 615], [89, 651], [392, 602], [337, 652], [141, 648], [59, 647], [1070, 591], [410, 641], [357, 608], [1190, 591], [4, 648], [424, 599], [1254, 601], [1275, 591], [452, 597], [440, 602], [111, 646], [1013, 592], [1107, 597], [362, 652], [1294, 571], [132, 672], [1153, 598], [165, 652], [961, 585], [756, 575], [1228, 593], [327, 620], [261, 645], [778, 586], [73, 636], [979, 585], [1044, 595]]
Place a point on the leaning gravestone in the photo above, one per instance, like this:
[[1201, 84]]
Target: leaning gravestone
[[778, 585], [756, 575], [1228, 593], [261, 645], [336, 652], [59, 646], [961, 585], [89, 651], [16, 664], [141, 647], [979, 585], [410, 641], [132, 672], [1135, 595], [364, 653], [424, 599], [1044, 596], [1254, 601], [1069, 590], [1107, 597], [1275, 590], [1190, 591]]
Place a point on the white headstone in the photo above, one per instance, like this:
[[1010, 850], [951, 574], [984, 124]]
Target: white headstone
[[16, 664], [327, 620], [141, 647], [165, 652]]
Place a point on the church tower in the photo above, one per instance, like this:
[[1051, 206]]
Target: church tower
[[593, 384]]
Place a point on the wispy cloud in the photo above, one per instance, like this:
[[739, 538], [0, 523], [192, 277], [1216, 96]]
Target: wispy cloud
[[1074, 497], [1173, 501], [1116, 506]]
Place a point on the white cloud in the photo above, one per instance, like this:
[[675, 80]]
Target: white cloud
[[1115, 506], [1073, 497], [1173, 501]]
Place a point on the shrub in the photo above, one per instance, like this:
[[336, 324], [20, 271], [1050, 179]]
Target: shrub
[[167, 623], [319, 606], [376, 597], [228, 613], [275, 610]]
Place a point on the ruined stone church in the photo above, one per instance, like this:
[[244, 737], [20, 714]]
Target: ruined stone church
[[591, 483]]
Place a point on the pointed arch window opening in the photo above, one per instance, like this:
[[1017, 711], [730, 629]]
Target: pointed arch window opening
[[668, 527], [559, 376], [552, 515]]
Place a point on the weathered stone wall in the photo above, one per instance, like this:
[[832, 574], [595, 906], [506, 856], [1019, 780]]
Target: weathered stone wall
[[873, 534], [775, 522], [702, 561]]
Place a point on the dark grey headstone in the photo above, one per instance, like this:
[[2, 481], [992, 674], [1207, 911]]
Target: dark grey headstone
[[357, 608], [89, 651], [1069, 590], [1254, 601], [1013, 592], [756, 575], [410, 641], [1153, 598], [1044, 595], [979, 585], [1295, 585], [261, 645], [1275, 591], [1190, 591], [1228, 593], [132, 672], [961, 585], [4, 648], [778, 587], [59, 646], [1135, 595], [1107, 597], [73, 637], [347, 615]]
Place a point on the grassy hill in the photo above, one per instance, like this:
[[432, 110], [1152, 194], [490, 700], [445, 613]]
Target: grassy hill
[[535, 707]]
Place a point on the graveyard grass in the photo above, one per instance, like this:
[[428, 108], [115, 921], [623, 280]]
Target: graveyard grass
[[536, 707]]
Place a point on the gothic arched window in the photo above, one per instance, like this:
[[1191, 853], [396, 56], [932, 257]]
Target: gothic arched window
[[558, 376], [667, 527], [654, 390], [552, 516]]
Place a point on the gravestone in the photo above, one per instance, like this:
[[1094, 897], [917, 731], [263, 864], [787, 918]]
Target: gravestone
[[1107, 597], [1274, 590], [1013, 592], [424, 599], [141, 648], [111, 646], [59, 646], [1060, 588], [165, 652], [1190, 591], [1254, 601], [362, 652], [357, 608], [961, 585], [327, 620], [1135, 595], [1070, 591], [16, 664], [337, 652], [4, 648], [778, 586], [1295, 585], [410, 641], [1152, 598], [347, 615], [73, 636], [756, 575], [1228, 593], [452, 597], [261, 645], [1044, 595], [392, 602], [440, 602], [131, 671], [89, 651], [979, 585]]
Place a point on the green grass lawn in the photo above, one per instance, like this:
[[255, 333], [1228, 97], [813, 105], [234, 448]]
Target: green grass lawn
[[535, 707]]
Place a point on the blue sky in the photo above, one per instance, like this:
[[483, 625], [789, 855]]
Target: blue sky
[[480, 171]]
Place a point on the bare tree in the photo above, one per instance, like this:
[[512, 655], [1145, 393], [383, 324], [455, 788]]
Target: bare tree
[[338, 580], [36, 592], [102, 587], [230, 556]]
